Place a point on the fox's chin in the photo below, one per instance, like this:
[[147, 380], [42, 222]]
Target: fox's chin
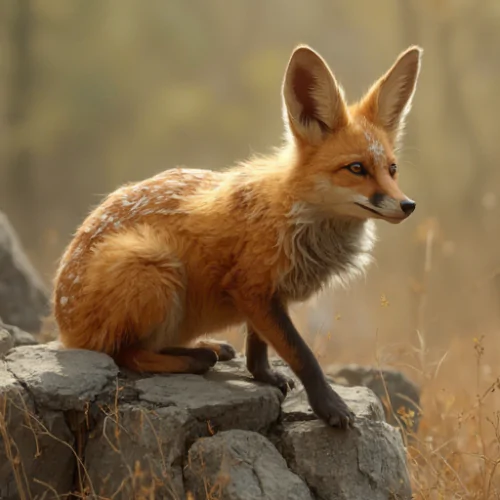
[[394, 220], [371, 213], [390, 220]]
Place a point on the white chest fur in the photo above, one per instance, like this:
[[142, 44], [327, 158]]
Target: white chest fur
[[323, 252]]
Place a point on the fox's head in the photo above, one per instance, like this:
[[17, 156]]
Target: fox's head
[[347, 161]]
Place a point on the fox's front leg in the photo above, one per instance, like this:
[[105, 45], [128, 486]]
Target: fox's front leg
[[271, 320], [258, 363]]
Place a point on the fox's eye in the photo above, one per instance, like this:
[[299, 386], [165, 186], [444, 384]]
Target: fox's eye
[[356, 169], [393, 169]]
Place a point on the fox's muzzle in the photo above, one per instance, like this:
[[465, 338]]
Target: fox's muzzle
[[389, 207]]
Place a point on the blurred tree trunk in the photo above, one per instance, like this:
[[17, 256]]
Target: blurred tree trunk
[[21, 183], [458, 120]]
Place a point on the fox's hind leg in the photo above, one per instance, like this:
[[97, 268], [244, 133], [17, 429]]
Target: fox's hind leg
[[204, 350], [173, 360]]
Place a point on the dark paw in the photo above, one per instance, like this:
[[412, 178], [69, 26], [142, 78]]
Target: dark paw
[[226, 352], [201, 353], [276, 379], [330, 407], [203, 360]]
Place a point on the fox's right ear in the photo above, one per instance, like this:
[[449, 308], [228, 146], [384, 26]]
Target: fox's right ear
[[389, 100], [313, 101]]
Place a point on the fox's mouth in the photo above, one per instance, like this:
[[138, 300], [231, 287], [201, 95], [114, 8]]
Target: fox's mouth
[[391, 219]]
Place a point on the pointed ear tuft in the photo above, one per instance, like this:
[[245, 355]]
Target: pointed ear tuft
[[313, 102], [389, 100]]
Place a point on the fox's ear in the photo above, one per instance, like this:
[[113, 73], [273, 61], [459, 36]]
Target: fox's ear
[[389, 100], [313, 102]]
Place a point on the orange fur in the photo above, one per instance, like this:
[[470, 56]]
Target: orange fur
[[161, 262]]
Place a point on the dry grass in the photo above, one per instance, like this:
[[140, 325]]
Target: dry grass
[[455, 454], [457, 448], [456, 451]]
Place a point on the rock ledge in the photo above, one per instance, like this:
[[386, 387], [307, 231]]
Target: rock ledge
[[74, 423]]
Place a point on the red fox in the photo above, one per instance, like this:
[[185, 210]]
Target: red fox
[[162, 263]]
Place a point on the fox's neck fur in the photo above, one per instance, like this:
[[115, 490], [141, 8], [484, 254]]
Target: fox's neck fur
[[323, 251], [318, 249]]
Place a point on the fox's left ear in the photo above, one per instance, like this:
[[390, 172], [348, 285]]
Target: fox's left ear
[[389, 100]]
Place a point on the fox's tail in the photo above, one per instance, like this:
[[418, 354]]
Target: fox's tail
[[111, 315]]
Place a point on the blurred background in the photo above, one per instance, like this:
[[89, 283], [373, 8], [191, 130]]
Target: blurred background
[[95, 93]]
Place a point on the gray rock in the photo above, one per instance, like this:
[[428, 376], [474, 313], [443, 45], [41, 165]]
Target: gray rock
[[399, 395], [361, 400], [20, 337], [36, 456], [137, 452], [241, 465], [221, 399], [6, 341], [24, 299], [132, 431], [365, 463], [61, 379]]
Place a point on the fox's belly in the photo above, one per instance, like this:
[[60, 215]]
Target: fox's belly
[[212, 318]]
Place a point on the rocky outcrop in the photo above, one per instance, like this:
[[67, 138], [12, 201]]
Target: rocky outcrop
[[6, 341], [19, 337], [70, 421], [12, 336], [244, 466], [24, 299]]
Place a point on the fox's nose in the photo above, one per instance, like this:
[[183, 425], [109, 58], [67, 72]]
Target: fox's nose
[[408, 206]]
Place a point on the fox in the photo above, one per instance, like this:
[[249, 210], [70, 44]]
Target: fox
[[161, 265]]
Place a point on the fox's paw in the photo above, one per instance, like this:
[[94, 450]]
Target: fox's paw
[[226, 352], [202, 360], [331, 408], [276, 379]]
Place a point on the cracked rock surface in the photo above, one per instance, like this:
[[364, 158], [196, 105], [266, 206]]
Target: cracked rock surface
[[61, 379], [74, 423], [245, 466]]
